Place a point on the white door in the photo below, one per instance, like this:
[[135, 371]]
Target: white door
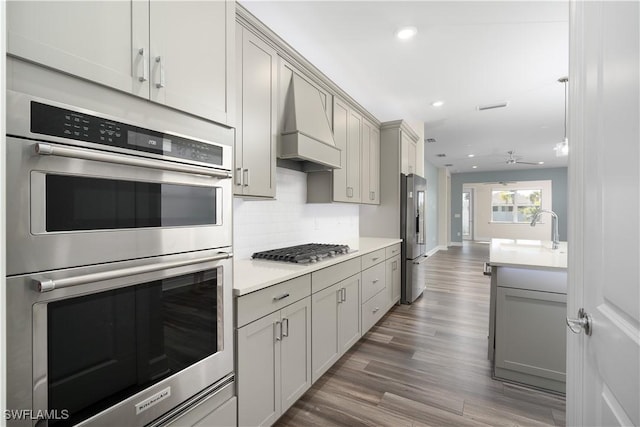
[[603, 387], [467, 214]]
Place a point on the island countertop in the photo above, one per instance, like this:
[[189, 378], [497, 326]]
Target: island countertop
[[528, 253]]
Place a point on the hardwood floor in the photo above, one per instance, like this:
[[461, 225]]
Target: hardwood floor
[[426, 364]]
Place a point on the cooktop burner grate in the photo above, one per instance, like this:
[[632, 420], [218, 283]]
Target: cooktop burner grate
[[310, 252]]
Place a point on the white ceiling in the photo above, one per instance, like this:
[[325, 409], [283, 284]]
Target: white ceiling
[[465, 54]]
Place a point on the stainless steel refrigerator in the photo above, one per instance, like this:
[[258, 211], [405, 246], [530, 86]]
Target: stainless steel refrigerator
[[413, 190]]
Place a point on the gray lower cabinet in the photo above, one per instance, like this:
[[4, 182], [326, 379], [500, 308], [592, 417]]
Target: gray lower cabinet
[[530, 337], [274, 363], [393, 271], [336, 323], [375, 295]]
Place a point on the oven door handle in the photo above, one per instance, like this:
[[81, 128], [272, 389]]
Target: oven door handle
[[47, 285], [76, 153]]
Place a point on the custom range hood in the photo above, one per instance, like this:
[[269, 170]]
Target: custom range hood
[[306, 134]]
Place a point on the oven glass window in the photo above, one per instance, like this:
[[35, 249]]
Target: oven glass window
[[78, 203], [105, 347]]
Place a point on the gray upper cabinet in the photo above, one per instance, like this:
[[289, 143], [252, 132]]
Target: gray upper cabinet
[[256, 131], [92, 40], [358, 180], [370, 163], [174, 53], [345, 182], [409, 151]]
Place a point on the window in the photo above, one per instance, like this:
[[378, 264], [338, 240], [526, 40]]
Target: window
[[516, 206]]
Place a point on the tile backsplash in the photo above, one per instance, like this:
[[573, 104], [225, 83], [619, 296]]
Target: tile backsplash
[[288, 220]]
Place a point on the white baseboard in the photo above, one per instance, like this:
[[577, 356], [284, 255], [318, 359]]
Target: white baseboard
[[433, 251]]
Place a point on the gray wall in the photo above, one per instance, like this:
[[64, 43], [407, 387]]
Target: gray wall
[[559, 188], [431, 174]]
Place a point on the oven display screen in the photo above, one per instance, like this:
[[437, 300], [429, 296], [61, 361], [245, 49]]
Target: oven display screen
[[55, 121]]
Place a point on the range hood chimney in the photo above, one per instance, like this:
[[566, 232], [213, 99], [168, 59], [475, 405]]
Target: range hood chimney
[[306, 134]]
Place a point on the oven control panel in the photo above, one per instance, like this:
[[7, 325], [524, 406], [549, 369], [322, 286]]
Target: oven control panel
[[60, 122]]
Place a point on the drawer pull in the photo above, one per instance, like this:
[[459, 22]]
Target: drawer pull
[[375, 310], [375, 259], [375, 280], [281, 297]]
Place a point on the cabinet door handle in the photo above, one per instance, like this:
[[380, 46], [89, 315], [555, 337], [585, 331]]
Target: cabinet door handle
[[281, 297], [246, 177], [238, 176], [339, 295], [394, 265], [145, 65], [375, 280], [285, 322], [349, 192], [278, 330], [375, 310], [160, 84], [343, 293], [372, 195]]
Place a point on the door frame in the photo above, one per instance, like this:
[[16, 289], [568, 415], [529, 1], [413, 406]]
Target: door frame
[[575, 220]]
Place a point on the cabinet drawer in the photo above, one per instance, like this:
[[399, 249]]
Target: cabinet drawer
[[373, 310], [260, 303], [392, 251], [373, 281], [328, 276], [373, 258], [535, 280]]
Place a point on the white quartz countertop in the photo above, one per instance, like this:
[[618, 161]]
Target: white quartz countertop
[[528, 253], [253, 275]]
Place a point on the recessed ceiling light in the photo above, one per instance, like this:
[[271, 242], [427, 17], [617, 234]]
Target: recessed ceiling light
[[448, 165], [437, 103], [406, 33], [541, 163], [474, 167], [471, 155]]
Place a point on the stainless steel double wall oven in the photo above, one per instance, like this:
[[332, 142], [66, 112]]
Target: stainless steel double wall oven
[[119, 266]]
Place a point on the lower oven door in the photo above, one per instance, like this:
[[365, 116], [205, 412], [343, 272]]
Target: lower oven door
[[119, 344], [82, 207]]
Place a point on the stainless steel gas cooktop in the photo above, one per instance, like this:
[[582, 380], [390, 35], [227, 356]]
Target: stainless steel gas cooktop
[[302, 254]]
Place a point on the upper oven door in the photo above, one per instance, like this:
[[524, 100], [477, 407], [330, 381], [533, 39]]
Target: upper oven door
[[73, 206]]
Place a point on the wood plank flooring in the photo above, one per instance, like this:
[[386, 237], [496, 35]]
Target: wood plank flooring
[[426, 364]]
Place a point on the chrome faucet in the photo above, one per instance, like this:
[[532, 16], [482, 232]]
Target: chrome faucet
[[555, 237]]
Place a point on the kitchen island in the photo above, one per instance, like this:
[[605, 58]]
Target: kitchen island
[[527, 334]]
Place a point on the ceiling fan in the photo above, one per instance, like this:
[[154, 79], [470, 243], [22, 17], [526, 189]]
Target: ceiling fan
[[513, 159]]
